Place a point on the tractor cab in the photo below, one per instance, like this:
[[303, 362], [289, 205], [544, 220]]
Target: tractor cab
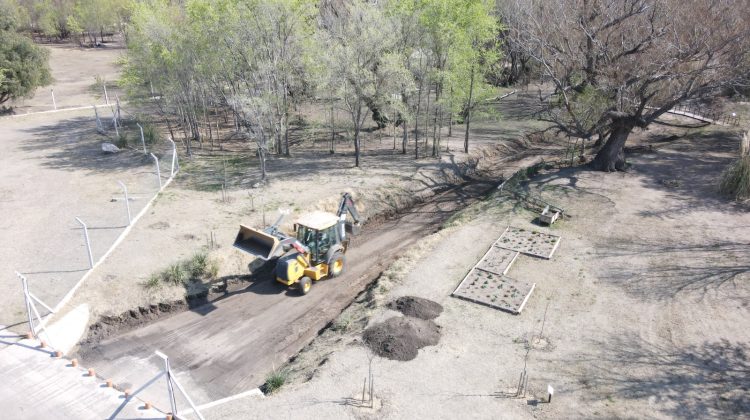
[[319, 232]]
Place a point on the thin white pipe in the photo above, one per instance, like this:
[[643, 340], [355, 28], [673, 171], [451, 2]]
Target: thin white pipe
[[88, 243], [143, 140], [174, 156], [158, 171], [127, 201]]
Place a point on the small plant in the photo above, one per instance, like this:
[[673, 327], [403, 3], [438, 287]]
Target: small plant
[[735, 181], [122, 141], [274, 381], [153, 282], [150, 135], [197, 265], [174, 274]]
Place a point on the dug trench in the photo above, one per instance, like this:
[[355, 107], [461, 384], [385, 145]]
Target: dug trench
[[227, 341]]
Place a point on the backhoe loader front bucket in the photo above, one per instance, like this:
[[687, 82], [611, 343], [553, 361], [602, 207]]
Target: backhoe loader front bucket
[[256, 242]]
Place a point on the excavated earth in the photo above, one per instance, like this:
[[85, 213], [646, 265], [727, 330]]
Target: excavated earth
[[416, 307], [400, 338]]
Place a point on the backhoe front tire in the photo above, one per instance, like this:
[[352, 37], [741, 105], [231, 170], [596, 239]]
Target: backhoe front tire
[[304, 284], [336, 264]]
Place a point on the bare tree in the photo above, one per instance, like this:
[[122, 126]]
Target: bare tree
[[617, 65]]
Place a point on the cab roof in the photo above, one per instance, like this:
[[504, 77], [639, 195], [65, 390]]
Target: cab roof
[[318, 220]]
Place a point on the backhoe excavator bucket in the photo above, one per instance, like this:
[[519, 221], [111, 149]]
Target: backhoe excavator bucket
[[256, 242]]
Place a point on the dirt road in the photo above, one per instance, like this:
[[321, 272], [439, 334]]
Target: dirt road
[[231, 344]]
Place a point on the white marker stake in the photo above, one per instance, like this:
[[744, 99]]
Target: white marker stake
[[143, 140], [550, 392], [127, 203], [158, 171], [54, 104]]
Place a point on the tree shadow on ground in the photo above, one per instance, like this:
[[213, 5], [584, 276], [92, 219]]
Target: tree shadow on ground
[[676, 269], [691, 381], [74, 144]]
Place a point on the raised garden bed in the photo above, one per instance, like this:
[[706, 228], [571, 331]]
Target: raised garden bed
[[529, 242], [497, 260], [497, 291]]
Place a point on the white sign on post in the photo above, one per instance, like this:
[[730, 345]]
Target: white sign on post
[[550, 392]]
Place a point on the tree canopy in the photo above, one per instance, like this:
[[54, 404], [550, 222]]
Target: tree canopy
[[23, 65]]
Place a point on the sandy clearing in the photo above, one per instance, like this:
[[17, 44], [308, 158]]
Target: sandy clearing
[[642, 320]]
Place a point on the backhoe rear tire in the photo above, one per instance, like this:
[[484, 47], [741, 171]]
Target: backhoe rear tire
[[336, 264], [304, 284]]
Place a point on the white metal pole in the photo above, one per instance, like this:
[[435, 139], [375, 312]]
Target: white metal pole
[[26, 299], [54, 104], [170, 391], [88, 243], [174, 156], [158, 171], [99, 126], [143, 140], [127, 202]]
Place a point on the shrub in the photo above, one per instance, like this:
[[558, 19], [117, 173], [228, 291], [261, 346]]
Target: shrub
[[735, 181], [153, 282], [274, 381], [150, 135], [196, 266], [174, 274]]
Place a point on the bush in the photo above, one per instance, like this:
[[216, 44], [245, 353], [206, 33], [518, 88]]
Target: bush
[[174, 274], [196, 266], [274, 381], [122, 141], [735, 181], [153, 282], [150, 135]]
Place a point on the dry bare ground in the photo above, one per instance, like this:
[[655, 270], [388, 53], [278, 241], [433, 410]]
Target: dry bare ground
[[641, 313]]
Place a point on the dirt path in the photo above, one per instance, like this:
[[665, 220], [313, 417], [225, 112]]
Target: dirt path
[[230, 344]]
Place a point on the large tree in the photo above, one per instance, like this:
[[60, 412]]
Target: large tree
[[23, 65], [618, 65]]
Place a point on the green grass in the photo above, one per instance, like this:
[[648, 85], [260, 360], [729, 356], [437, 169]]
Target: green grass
[[735, 181], [196, 268], [275, 380], [174, 274]]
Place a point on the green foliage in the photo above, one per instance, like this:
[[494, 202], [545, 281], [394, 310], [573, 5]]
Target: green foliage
[[123, 140], [24, 65], [196, 268], [274, 381], [735, 181], [174, 274]]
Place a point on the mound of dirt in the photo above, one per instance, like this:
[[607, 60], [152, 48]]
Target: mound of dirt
[[400, 338], [417, 307]]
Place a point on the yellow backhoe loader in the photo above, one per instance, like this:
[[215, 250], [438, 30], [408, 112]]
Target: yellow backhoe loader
[[315, 251]]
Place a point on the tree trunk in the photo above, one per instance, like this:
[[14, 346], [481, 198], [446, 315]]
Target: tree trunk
[[356, 137], [611, 157], [405, 138], [333, 128], [468, 112]]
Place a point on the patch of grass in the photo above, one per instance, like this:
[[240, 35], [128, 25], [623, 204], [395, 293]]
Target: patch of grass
[[174, 274], [274, 381], [153, 282], [735, 181], [197, 265], [196, 268], [122, 141]]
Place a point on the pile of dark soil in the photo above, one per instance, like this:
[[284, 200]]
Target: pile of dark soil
[[417, 307], [400, 338]]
